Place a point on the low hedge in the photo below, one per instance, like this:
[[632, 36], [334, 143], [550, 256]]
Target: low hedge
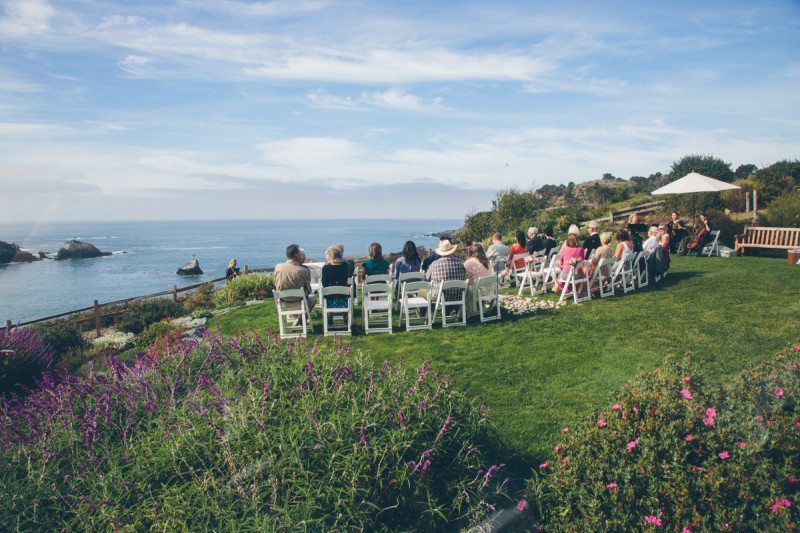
[[671, 452], [245, 287]]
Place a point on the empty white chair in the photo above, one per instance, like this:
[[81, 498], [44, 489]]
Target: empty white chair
[[377, 307], [623, 274], [642, 272], [713, 247], [599, 281], [332, 315], [293, 315], [316, 282], [550, 271], [576, 283], [446, 305], [488, 298], [412, 301]]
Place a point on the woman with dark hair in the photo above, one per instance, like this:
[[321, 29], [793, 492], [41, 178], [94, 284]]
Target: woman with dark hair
[[700, 237], [624, 245], [376, 264], [477, 265], [408, 262], [519, 247]]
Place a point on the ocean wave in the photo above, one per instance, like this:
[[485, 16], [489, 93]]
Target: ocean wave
[[120, 252]]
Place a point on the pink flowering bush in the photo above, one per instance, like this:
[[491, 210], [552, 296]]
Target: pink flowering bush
[[248, 434], [680, 455]]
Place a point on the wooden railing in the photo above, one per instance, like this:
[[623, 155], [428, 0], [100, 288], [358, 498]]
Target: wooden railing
[[97, 314], [613, 216]]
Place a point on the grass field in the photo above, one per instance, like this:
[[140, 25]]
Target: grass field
[[542, 372]]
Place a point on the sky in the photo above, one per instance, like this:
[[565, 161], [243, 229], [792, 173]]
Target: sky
[[225, 109]]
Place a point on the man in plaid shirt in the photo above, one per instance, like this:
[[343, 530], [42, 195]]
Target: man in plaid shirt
[[448, 267]]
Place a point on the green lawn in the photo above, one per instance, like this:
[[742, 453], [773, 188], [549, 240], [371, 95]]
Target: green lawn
[[542, 372]]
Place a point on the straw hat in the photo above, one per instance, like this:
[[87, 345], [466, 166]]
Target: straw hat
[[575, 230], [445, 248]]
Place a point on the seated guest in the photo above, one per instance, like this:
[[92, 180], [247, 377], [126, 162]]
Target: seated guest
[[548, 240], [516, 249], [477, 266], [293, 275], [570, 253], [664, 236], [408, 262], [677, 231], [700, 236], [652, 241], [376, 264], [496, 250], [535, 243], [426, 263], [448, 267], [624, 246], [604, 251], [634, 226], [335, 273], [351, 265], [592, 242], [232, 271]]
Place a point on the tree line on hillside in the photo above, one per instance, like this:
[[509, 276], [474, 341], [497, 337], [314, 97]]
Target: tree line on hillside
[[778, 187]]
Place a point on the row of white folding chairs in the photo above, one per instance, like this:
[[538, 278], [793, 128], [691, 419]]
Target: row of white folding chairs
[[377, 303]]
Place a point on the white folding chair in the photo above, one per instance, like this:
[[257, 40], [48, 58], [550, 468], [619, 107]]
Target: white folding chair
[[377, 305], [642, 273], [533, 274], [599, 282], [519, 271], [293, 314], [550, 272], [332, 315], [407, 277], [444, 303], [316, 282], [411, 300], [623, 275], [488, 294], [576, 283], [713, 248]]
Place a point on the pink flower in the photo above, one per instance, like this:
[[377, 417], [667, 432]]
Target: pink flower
[[708, 421], [565, 430], [696, 468], [688, 438], [631, 445], [780, 502], [797, 348], [797, 424], [724, 455], [793, 367], [711, 412], [759, 417], [791, 479], [543, 466], [611, 485], [636, 410], [741, 444], [653, 520], [522, 505], [686, 393], [687, 379], [778, 392], [601, 423], [686, 530], [558, 448], [615, 407]]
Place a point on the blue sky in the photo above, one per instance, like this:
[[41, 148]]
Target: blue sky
[[317, 108]]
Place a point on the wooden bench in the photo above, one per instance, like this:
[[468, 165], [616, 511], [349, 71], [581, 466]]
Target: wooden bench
[[776, 238]]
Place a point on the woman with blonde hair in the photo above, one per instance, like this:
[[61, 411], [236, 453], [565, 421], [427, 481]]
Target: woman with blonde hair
[[232, 271], [335, 272], [604, 252]]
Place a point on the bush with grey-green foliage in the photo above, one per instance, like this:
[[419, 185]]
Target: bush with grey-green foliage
[[254, 286], [149, 312]]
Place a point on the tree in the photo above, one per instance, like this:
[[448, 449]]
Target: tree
[[477, 226], [609, 176], [513, 206], [777, 179], [743, 172], [708, 165]]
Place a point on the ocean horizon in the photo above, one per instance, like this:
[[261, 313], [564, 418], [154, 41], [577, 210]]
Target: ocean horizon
[[146, 254]]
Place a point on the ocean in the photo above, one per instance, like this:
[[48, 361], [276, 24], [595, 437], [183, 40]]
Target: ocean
[[145, 255]]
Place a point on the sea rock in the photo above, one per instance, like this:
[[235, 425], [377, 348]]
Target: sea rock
[[43, 255], [79, 250], [24, 257], [7, 252], [192, 268]]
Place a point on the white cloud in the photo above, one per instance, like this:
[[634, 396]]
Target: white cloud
[[275, 8], [312, 154], [393, 98], [322, 98], [25, 18]]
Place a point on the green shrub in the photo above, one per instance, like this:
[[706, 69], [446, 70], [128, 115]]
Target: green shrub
[[245, 287], [62, 336], [728, 227], [152, 333], [202, 298], [249, 435], [672, 451], [784, 212], [142, 315]]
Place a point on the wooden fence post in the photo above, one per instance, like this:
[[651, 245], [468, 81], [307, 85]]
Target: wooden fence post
[[246, 270], [755, 201], [746, 202], [174, 292], [9, 325], [97, 319]]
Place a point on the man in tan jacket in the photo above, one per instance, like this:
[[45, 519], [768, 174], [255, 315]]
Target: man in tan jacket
[[293, 275]]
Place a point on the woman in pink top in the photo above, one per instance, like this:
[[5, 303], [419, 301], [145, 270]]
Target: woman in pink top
[[570, 253], [477, 265]]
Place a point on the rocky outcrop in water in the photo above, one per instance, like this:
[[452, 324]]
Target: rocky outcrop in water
[[79, 250], [11, 253], [192, 268]]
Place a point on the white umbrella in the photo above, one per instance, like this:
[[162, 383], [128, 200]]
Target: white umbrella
[[694, 182]]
